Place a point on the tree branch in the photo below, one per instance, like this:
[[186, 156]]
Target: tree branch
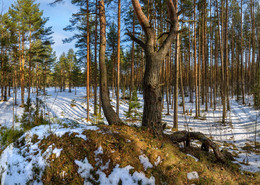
[[167, 42], [172, 12], [180, 12], [143, 20], [173, 30], [137, 40], [165, 33]]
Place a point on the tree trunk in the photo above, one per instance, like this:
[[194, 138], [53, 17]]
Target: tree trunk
[[88, 60], [110, 114], [152, 94], [242, 50], [154, 58], [132, 60], [176, 85], [118, 58], [22, 71], [30, 65], [182, 91], [95, 67], [226, 57], [195, 63]]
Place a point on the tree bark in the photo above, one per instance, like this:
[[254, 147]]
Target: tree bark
[[195, 63], [95, 67], [154, 58], [88, 60], [184, 136], [110, 114], [118, 58]]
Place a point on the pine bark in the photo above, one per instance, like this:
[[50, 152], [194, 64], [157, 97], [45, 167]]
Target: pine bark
[[110, 114], [118, 58]]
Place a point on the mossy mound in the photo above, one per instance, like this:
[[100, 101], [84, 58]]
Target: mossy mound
[[95, 156]]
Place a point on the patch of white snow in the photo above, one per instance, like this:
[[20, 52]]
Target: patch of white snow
[[192, 175], [145, 161]]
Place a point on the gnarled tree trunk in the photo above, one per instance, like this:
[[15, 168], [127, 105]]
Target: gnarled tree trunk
[[154, 58]]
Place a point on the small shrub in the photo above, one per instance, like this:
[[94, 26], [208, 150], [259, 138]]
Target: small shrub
[[134, 105], [9, 136], [33, 116]]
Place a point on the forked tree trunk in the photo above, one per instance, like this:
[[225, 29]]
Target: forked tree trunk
[[154, 58], [110, 114]]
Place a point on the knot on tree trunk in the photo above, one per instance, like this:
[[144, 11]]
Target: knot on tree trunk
[[184, 136]]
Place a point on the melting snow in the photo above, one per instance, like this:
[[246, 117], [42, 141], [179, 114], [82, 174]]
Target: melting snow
[[192, 175], [145, 161]]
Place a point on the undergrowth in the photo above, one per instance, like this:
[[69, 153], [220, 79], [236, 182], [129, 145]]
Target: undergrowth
[[123, 146], [9, 136]]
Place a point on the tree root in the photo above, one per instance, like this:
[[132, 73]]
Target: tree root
[[184, 136]]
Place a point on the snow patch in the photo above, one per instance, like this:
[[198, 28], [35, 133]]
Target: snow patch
[[192, 175], [57, 152], [99, 151], [157, 161], [196, 159], [145, 161], [84, 168]]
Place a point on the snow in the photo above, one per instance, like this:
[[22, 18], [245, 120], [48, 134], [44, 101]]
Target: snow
[[145, 161], [57, 152], [242, 128], [192, 175], [118, 174], [157, 161], [99, 151], [196, 159], [84, 168], [124, 175], [23, 161]]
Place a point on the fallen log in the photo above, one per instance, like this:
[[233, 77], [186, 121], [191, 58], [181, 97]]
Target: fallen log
[[184, 136]]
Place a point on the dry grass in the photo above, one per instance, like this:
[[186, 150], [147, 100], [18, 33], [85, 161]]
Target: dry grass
[[123, 146]]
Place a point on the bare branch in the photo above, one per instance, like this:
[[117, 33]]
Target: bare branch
[[143, 20], [165, 33], [172, 11], [55, 2], [183, 21], [180, 12], [167, 42], [137, 40]]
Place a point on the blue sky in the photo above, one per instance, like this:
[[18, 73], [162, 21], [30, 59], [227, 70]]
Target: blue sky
[[59, 16]]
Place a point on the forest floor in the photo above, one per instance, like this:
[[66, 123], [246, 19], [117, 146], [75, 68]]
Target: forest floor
[[240, 135]]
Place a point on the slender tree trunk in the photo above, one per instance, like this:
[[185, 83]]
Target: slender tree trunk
[[216, 69], [226, 58], [95, 67], [190, 70], [176, 84], [30, 65], [88, 60], [211, 59], [195, 63], [254, 69], [118, 57], [242, 50], [22, 71], [113, 72], [132, 60], [222, 66], [110, 114], [181, 82], [232, 60]]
